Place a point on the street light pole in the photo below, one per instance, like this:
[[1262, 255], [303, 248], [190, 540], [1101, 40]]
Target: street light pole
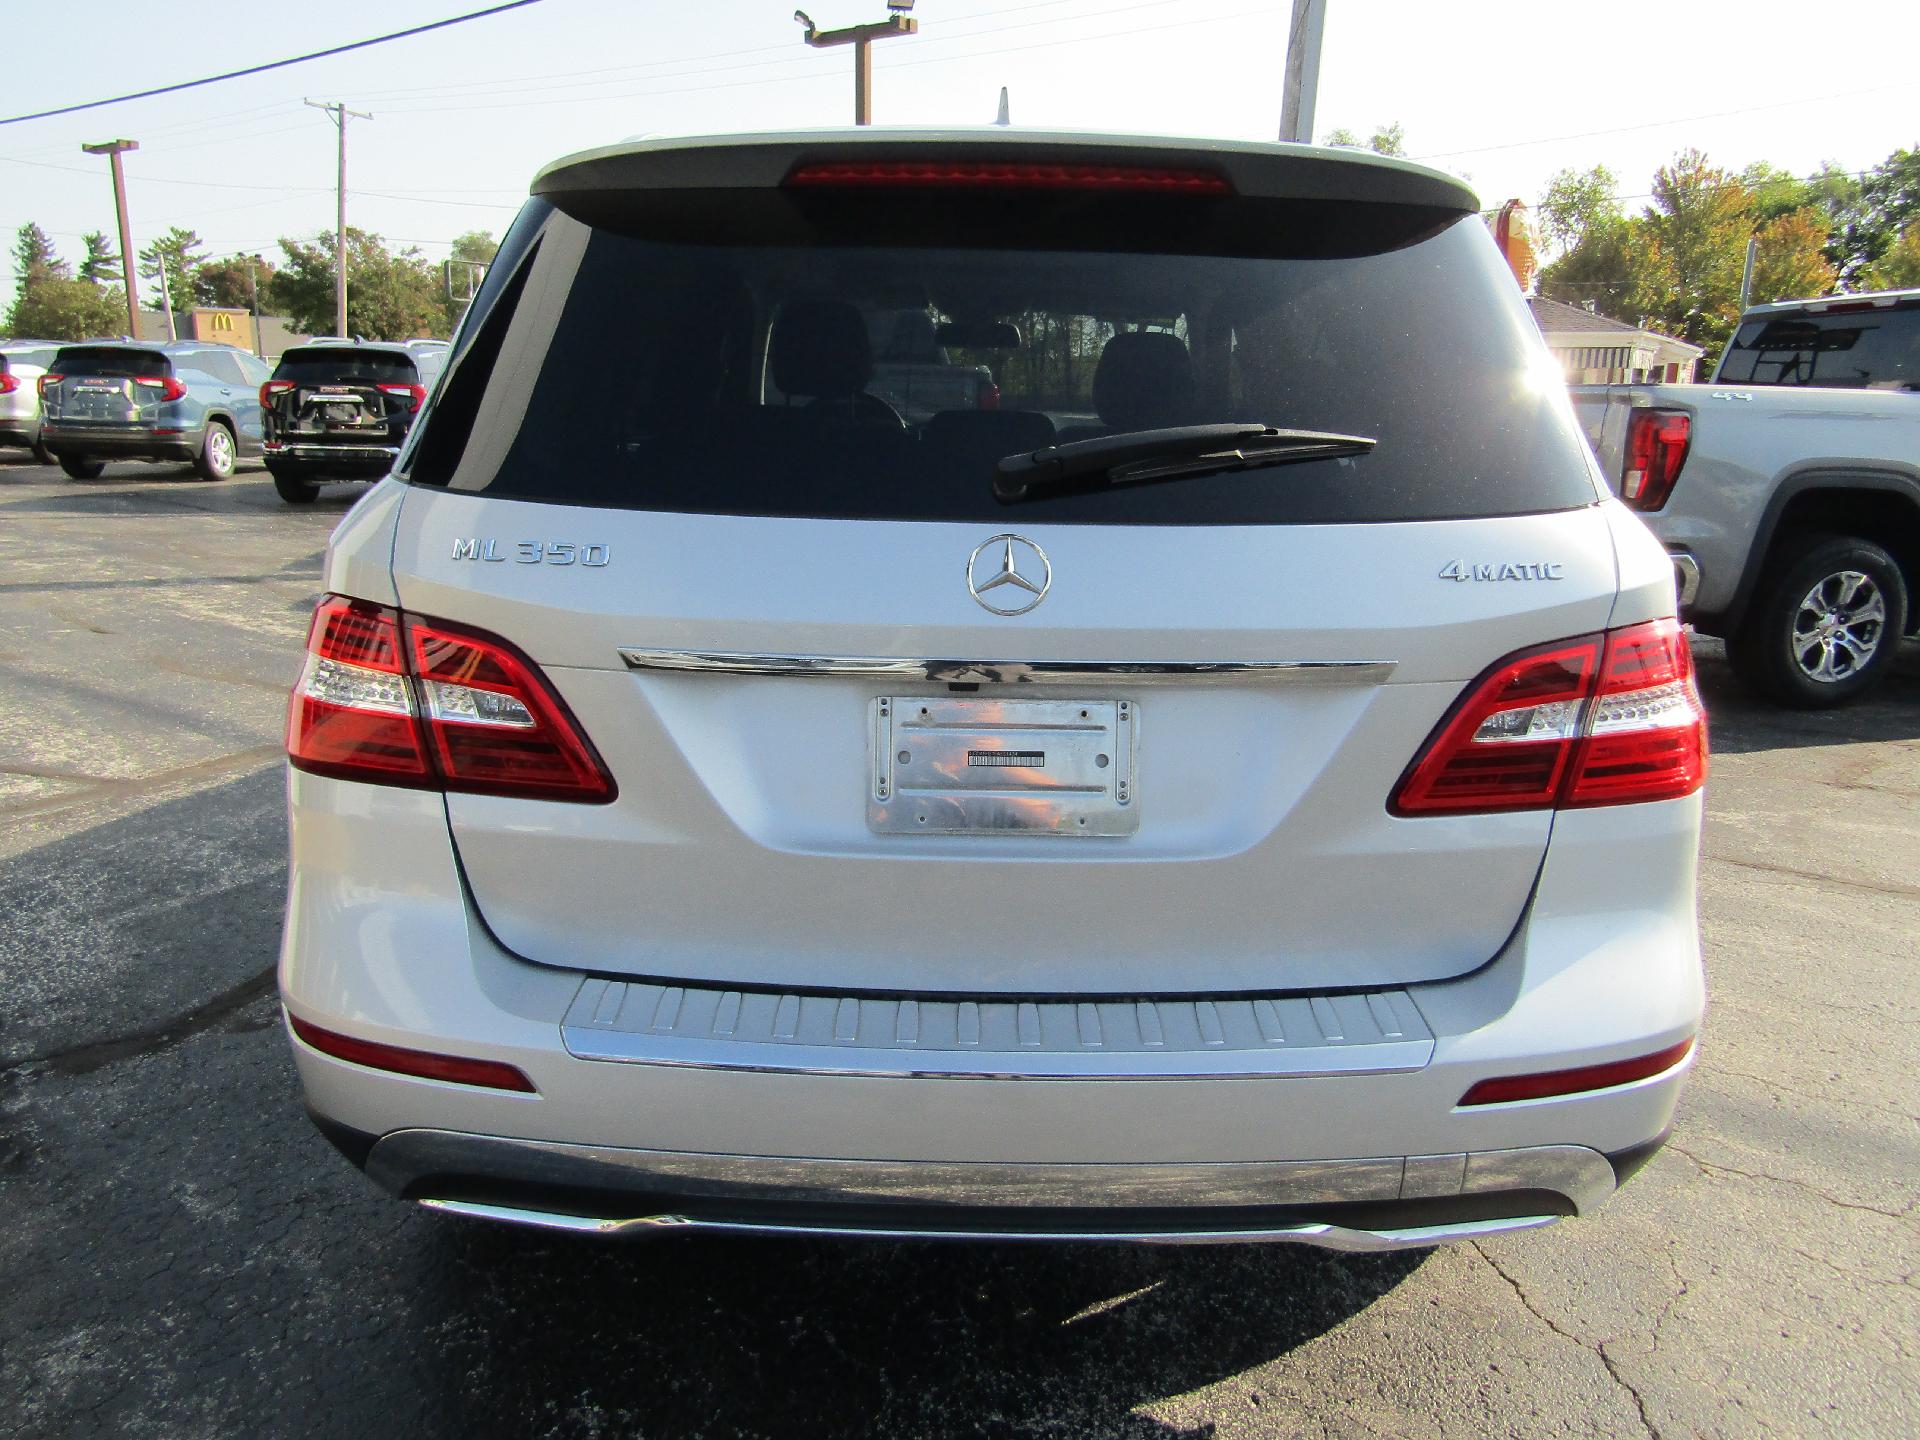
[[861, 37], [340, 114], [113, 149], [1301, 90]]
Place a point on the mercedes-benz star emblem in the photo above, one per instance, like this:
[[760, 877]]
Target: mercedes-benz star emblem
[[1015, 564]]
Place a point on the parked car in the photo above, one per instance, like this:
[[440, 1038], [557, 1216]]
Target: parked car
[[1787, 489], [341, 410], [131, 400], [718, 802], [22, 363]]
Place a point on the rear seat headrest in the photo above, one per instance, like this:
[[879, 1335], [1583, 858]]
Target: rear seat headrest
[[1144, 381], [820, 349]]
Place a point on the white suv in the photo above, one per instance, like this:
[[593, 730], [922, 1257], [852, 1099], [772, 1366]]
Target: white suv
[[1236, 779]]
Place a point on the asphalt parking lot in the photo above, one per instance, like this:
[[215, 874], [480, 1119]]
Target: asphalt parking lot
[[184, 1256]]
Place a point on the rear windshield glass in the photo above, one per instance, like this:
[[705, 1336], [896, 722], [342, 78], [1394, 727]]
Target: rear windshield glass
[[849, 380], [39, 358], [1876, 349], [330, 367], [117, 364]]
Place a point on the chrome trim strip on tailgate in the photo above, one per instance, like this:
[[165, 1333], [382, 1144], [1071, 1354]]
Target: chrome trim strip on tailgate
[[645, 1023], [1018, 672]]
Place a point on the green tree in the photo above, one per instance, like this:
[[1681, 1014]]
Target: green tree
[[389, 296], [62, 309], [34, 258], [1687, 280], [1579, 203], [1790, 262], [175, 250], [1898, 267], [1889, 204], [475, 247], [100, 266], [230, 283], [1385, 140]]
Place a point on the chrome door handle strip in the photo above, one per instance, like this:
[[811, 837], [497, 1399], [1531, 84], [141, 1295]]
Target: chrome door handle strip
[[1018, 672]]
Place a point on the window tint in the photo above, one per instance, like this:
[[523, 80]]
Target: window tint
[[41, 358], [884, 382], [122, 364], [335, 365], [222, 365], [1869, 348]]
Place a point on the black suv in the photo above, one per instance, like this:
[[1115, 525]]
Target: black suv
[[339, 410]]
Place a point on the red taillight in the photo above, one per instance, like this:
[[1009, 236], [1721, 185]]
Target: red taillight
[[273, 388], [424, 1064], [1601, 720], [989, 396], [8, 383], [49, 379], [1577, 1081], [171, 387], [496, 725], [391, 700], [1657, 442], [353, 712], [1007, 175], [412, 394]]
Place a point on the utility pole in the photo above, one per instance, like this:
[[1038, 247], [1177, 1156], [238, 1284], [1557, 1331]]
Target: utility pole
[[1301, 90], [340, 114], [861, 37], [166, 295], [1746, 276], [253, 296], [113, 149]]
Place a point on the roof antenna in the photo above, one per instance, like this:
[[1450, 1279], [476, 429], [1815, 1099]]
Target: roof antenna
[[1002, 118]]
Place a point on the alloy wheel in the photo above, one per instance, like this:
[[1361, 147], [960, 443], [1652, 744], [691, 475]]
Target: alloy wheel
[[1839, 626]]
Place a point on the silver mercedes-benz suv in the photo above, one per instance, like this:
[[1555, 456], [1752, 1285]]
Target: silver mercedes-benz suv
[[1232, 774]]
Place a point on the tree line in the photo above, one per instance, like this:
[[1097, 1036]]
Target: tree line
[[391, 294], [1676, 265]]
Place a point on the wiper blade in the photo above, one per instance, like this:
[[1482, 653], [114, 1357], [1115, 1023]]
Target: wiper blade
[[1144, 456]]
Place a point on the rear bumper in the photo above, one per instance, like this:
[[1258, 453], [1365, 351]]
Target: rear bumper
[[636, 1128], [76, 440], [344, 461], [1359, 1204]]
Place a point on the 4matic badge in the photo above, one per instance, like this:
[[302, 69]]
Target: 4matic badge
[[1504, 570]]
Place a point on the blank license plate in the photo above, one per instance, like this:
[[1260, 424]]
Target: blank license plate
[[965, 766]]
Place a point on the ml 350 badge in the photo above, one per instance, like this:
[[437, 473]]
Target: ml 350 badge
[[535, 552]]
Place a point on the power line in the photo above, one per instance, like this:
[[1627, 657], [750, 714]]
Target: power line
[[270, 65]]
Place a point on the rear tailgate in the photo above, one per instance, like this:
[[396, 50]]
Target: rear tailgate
[[659, 467], [740, 848], [107, 387]]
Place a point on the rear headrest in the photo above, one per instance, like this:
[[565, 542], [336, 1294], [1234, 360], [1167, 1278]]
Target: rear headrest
[[820, 348], [1144, 381]]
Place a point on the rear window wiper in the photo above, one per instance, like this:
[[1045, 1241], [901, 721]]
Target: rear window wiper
[[1140, 457]]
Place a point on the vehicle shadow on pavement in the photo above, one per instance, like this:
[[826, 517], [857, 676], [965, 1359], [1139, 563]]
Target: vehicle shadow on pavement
[[717, 1335]]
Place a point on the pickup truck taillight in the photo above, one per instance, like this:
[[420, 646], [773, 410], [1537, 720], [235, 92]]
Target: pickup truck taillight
[[171, 387], [1657, 443], [1599, 720], [392, 699]]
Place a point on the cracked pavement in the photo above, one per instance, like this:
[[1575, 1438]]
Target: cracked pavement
[[185, 1256]]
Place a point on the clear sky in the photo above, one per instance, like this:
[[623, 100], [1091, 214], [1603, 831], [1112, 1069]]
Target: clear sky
[[1504, 91]]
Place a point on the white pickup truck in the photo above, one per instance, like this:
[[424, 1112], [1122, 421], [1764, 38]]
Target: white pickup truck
[[1787, 489]]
